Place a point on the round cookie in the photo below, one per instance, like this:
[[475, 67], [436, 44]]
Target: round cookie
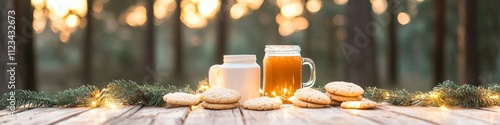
[[340, 98], [219, 106], [313, 96], [181, 99], [304, 104], [262, 103], [335, 103], [359, 104], [220, 95], [344, 88]]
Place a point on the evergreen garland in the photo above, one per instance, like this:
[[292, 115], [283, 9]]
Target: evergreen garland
[[446, 94], [121, 92], [117, 92]]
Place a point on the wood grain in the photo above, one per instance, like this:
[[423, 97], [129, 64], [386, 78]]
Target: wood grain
[[48, 116], [432, 114], [154, 115], [332, 115], [99, 115], [487, 116], [387, 117], [214, 117]]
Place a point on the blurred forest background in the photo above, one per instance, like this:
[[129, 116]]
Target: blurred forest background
[[411, 44]]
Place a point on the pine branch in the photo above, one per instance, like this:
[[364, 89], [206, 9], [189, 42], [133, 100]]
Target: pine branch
[[29, 98], [80, 96]]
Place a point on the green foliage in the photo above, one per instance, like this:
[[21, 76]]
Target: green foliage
[[124, 92], [444, 94]]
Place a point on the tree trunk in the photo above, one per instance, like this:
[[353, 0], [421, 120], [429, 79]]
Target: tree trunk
[[360, 47], [177, 44], [87, 45], [468, 68], [222, 32], [438, 52], [308, 35], [393, 43], [149, 42], [25, 57]]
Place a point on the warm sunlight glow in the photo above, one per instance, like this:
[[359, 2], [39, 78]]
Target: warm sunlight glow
[[379, 6], [237, 11], [313, 6], [443, 107], [403, 18], [340, 2]]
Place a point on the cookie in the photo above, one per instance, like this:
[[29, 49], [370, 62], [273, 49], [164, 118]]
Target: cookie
[[359, 104], [344, 89], [303, 104], [262, 103], [181, 99], [313, 96], [221, 96], [335, 103], [340, 98], [219, 106]]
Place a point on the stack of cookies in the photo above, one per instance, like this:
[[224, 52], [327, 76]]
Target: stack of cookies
[[180, 99], [343, 91], [220, 98], [310, 98]]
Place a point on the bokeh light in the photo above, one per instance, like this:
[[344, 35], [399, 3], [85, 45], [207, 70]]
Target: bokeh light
[[379, 6], [290, 18], [340, 2], [197, 13], [403, 18], [313, 6], [64, 16], [237, 11]]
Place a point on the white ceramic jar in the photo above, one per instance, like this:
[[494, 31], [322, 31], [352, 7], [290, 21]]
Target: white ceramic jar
[[239, 72]]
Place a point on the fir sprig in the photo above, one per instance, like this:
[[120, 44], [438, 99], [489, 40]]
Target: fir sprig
[[444, 94], [117, 91]]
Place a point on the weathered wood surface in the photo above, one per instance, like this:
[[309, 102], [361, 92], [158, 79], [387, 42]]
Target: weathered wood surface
[[137, 115]]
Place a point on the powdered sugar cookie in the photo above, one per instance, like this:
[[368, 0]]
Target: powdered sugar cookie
[[303, 104], [312, 95], [219, 106], [344, 88], [221, 96], [181, 99], [340, 98], [262, 103], [359, 104]]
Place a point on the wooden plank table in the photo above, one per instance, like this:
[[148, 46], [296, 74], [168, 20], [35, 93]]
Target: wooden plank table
[[137, 115]]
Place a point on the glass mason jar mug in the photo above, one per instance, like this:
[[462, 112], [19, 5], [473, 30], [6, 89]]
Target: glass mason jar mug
[[283, 71]]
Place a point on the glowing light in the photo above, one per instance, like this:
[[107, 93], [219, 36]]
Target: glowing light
[[72, 20], [313, 6], [494, 97], [291, 98], [193, 20], [379, 6], [292, 10], [94, 104], [300, 23], [285, 29], [163, 8], [39, 25], [274, 93], [434, 95], [136, 16], [403, 18], [420, 1], [38, 3], [237, 11], [254, 4], [442, 107], [208, 8], [340, 2]]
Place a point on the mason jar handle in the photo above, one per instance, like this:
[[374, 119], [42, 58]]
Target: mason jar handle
[[312, 78]]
